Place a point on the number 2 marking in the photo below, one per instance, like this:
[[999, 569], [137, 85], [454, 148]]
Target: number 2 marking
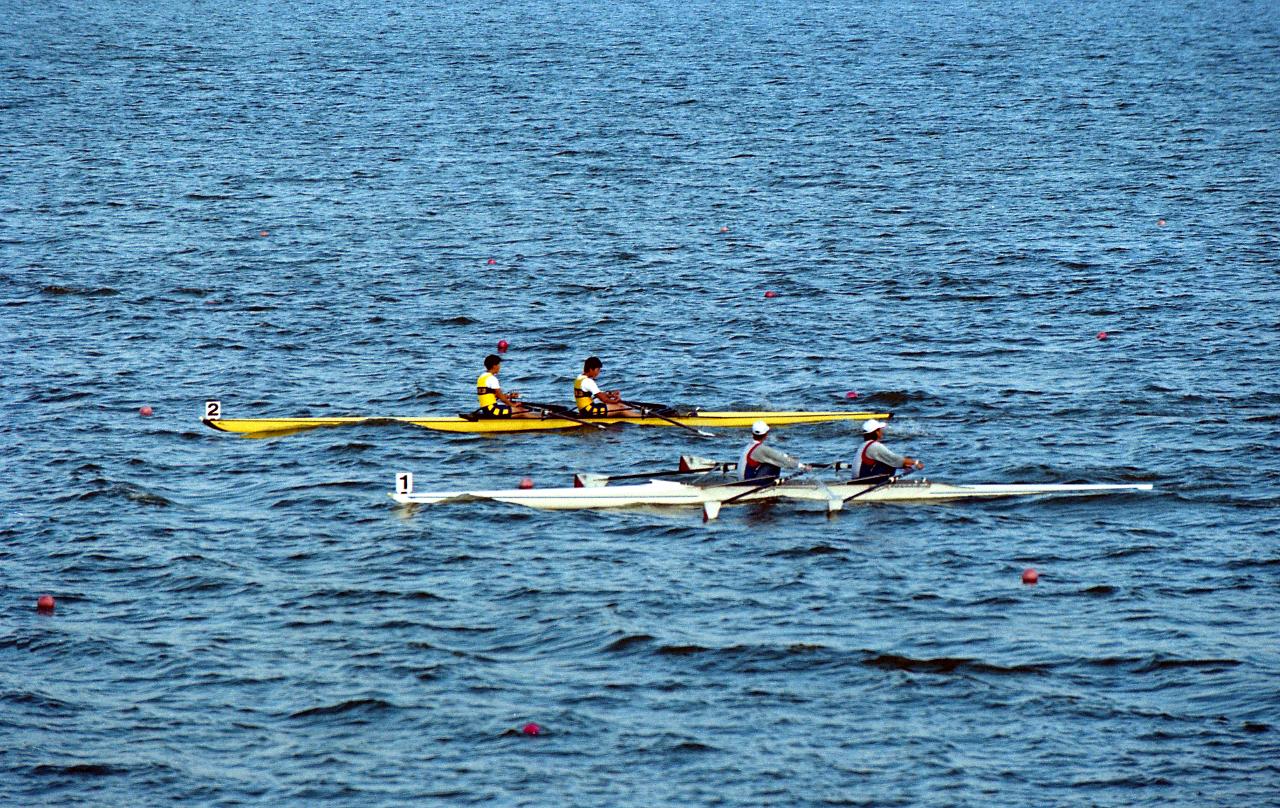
[[213, 410]]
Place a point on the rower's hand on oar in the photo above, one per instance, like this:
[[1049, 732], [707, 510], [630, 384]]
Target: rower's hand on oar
[[915, 465]]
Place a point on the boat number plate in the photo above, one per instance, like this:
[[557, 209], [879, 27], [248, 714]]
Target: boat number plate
[[404, 483], [213, 410]]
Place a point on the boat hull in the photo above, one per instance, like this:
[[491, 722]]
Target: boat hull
[[666, 492], [275, 427]]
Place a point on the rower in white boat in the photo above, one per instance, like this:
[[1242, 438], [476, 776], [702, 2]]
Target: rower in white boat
[[877, 460], [493, 402], [760, 462], [591, 400]]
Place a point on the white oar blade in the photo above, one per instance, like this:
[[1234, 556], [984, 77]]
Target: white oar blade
[[710, 510], [834, 504], [586, 479]]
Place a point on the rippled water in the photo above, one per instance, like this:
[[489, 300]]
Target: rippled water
[[326, 209]]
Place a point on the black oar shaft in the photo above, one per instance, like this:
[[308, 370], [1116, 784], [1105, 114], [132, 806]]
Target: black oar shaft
[[548, 410], [888, 478], [648, 409]]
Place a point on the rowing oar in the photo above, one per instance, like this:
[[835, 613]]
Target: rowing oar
[[834, 502], [688, 465], [711, 509], [889, 478], [548, 410], [648, 409]]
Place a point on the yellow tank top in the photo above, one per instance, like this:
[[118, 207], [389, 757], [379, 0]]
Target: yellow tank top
[[581, 398], [484, 393]]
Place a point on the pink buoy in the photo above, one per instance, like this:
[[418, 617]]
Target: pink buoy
[[144, 411], [502, 346], [45, 604], [1102, 335], [531, 729], [526, 483], [724, 230], [852, 394], [493, 261], [1030, 576], [263, 233], [1160, 222]]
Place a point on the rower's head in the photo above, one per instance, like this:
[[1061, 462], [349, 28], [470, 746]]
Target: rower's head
[[873, 429], [592, 366], [491, 363], [760, 430]]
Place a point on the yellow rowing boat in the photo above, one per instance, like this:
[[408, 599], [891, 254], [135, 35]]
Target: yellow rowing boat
[[275, 427]]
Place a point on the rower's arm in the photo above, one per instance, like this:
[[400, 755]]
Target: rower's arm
[[878, 451], [775, 457]]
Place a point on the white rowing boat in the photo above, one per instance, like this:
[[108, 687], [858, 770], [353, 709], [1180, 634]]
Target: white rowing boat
[[711, 494]]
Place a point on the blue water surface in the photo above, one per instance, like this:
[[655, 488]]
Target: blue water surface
[[338, 209]]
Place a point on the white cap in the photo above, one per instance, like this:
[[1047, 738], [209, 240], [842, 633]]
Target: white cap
[[872, 425], [759, 428]]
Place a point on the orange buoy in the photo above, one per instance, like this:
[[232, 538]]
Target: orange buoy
[[263, 233], [45, 604], [145, 411], [1030, 576], [526, 483], [770, 293]]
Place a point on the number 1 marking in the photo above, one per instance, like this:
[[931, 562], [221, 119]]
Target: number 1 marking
[[404, 483]]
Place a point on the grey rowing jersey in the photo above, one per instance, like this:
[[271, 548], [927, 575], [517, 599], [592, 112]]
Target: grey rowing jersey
[[878, 451], [767, 454]]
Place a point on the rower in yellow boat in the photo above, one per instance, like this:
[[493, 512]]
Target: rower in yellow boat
[[494, 402], [591, 400]]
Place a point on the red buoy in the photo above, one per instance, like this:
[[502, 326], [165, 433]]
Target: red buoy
[[493, 261], [526, 483], [1102, 335], [144, 411], [531, 729], [1160, 222], [724, 230], [1030, 576], [502, 346], [263, 233], [45, 604], [852, 394], [770, 293]]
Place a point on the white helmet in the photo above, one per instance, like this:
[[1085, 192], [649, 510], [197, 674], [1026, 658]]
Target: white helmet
[[872, 426], [759, 428]]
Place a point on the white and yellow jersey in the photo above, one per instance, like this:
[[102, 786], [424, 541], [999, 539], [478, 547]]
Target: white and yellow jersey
[[485, 385], [584, 391]]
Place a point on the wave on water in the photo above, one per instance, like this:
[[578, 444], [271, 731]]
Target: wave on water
[[79, 291], [360, 707]]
